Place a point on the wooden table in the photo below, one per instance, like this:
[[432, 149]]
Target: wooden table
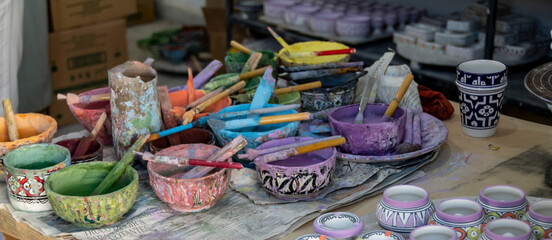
[[517, 155]]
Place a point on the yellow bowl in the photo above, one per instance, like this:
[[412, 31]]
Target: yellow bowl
[[312, 46]]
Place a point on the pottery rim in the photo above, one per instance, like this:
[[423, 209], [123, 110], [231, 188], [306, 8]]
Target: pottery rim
[[483, 69], [509, 224], [296, 168], [383, 232], [312, 236], [473, 89], [433, 229], [536, 208], [32, 139], [338, 231], [66, 152], [514, 191], [421, 194], [332, 118], [463, 203]]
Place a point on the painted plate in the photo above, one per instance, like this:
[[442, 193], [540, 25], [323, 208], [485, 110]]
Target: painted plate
[[434, 134], [539, 82]]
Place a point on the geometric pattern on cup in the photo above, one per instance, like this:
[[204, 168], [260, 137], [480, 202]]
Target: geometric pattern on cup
[[472, 80], [480, 111], [27, 190]]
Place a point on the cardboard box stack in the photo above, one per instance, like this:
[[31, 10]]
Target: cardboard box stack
[[87, 38]]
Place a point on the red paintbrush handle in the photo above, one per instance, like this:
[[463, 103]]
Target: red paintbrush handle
[[219, 164], [336, 52]]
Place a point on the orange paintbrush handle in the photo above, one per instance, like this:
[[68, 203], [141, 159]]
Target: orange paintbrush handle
[[400, 93], [220, 96], [190, 86], [240, 47], [299, 88], [253, 73], [320, 145], [285, 118]]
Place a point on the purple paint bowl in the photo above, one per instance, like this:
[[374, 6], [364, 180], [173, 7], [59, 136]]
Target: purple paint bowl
[[301, 177], [192, 135], [404, 208], [464, 215], [433, 232], [324, 22], [507, 229], [373, 137], [94, 153], [89, 113], [540, 218], [353, 26]]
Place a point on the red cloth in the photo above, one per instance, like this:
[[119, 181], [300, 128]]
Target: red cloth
[[435, 103]]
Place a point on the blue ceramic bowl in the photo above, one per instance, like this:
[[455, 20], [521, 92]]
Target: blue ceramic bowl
[[481, 73], [259, 134]]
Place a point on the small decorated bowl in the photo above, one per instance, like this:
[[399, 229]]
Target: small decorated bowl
[[301, 177], [68, 190], [507, 229], [433, 232], [313, 237], [339, 225], [464, 216], [503, 201], [404, 208], [379, 235], [89, 113], [540, 218], [319, 99], [188, 195], [94, 153]]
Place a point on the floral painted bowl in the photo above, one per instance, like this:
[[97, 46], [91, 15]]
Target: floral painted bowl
[[94, 153], [89, 113], [276, 8], [68, 190], [188, 195], [404, 208], [503, 201], [301, 177], [463, 215], [540, 218], [507, 229], [433, 232]]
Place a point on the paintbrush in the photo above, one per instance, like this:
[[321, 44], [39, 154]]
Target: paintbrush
[[190, 85], [202, 99], [257, 121], [240, 47], [187, 161], [246, 97], [85, 142], [279, 39], [74, 98], [254, 112], [287, 153], [200, 122], [212, 85], [189, 115], [202, 76], [252, 153], [13, 134], [120, 167], [319, 53], [291, 69], [223, 154], [398, 97]]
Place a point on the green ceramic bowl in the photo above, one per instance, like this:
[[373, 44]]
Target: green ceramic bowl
[[68, 190]]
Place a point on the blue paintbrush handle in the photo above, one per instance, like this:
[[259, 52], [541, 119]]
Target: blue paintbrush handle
[[199, 122]]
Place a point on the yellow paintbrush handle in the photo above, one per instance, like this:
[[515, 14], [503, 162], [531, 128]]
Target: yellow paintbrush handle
[[240, 47], [299, 88], [279, 39], [220, 96], [253, 73], [285, 118], [10, 119], [320, 145], [400, 93]]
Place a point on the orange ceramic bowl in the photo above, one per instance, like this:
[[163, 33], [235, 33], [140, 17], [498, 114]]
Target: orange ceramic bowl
[[180, 99], [32, 127]]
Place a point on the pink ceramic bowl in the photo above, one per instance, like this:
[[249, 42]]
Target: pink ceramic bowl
[[188, 195], [353, 26], [89, 113]]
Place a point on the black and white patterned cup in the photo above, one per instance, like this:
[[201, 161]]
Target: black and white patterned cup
[[481, 73], [480, 109]]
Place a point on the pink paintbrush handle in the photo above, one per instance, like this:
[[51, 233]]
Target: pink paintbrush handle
[[336, 52], [217, 164]]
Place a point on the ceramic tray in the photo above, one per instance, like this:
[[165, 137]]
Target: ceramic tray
[[335, 38], [434, 134], [416, 55], [539, 82]]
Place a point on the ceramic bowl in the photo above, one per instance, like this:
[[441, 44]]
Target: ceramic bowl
[[32, 127], [276, 8], [433, 232], [482, 73], [313, 237], [459, 39], [180, 99], [540, 218], [480, 110], [339, 225], [300, 177], [464, 216], [89, 113], [324, 22], [353, 26], [94, 153], [299, 15], [68, 190], [404, 208], [377, 138], [467, 53], [188, 195], [259, 134], [379, 235], [192, 135], [503, 201], [507, 229], [27, 167], [314, 46], [326, 97]]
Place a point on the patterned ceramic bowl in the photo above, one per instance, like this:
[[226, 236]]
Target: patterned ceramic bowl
[[68, 190], [301, 177], [89, 113], [379, 235], [94, 153], [299, 15], [404, 208], [464, 216], [507, 229], [340, 225], [503, 201], [315, 100], [540, 218], [324, 22], [313, 237], [433, 232]]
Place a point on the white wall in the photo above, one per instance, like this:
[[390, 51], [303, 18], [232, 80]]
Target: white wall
[[181, 11]]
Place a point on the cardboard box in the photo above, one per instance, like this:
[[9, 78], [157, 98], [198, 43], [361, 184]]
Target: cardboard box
[[67, 14], [83, 56], [146, 13], [215, 4], [59, 109]]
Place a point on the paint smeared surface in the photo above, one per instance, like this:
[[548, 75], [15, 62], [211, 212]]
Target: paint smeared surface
[[94, 153], [32, 127], [187, 195], [302, 177], [89, 113]]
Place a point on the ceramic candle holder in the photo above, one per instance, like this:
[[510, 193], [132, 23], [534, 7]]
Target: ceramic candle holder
[[27, 168], [379, 235], [404, 208], [94, 153], [503, 201], [313, 237], [433, 232], [339, 225], [464, 216], [540, 218], [507, 229]]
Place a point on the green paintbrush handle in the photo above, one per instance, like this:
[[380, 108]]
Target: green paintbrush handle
[[120, 167]]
